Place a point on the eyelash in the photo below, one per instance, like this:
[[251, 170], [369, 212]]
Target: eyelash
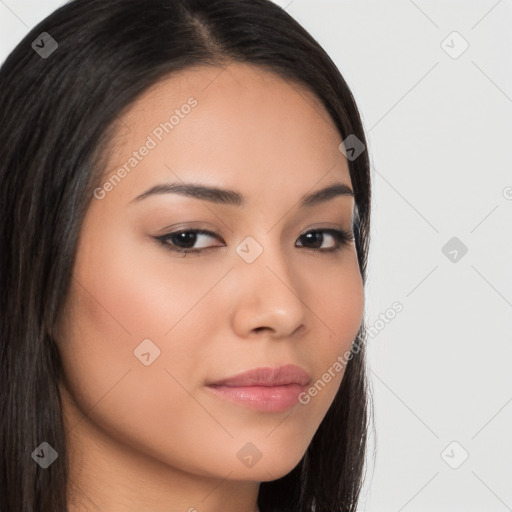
[[342, 239]]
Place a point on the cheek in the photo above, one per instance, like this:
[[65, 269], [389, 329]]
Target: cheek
[[337, 305], [142, 290], [121, 295], [142, 406]]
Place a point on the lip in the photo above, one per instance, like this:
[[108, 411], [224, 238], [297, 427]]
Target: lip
[[266, 389]]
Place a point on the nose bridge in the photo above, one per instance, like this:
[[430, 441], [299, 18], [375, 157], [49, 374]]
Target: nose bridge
[[263, 256], [269, 294]]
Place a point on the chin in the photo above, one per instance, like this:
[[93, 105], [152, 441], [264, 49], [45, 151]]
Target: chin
[[269, 468]]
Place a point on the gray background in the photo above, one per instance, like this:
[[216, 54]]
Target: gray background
[[439, 124]]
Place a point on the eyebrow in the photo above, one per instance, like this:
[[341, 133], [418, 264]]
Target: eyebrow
[[231, 197]]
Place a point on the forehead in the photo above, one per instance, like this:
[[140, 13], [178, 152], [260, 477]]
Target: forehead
[[237, 126]]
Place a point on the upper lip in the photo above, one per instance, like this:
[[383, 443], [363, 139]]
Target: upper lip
[[267, 376]]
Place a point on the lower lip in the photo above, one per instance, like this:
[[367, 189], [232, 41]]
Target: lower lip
[[262, 398]]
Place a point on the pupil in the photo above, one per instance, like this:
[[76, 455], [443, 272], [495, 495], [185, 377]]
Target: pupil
[[187, 237], [314, 237]]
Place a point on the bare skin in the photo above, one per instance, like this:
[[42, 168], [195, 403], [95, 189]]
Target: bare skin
[[154, 437]]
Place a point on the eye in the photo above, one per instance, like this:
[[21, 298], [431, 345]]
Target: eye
[[316, 237], [184, 241]]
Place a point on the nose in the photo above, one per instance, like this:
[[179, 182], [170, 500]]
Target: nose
[[268, 297]]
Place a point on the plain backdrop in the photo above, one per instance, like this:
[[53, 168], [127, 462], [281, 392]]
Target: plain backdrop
[[433, 81]]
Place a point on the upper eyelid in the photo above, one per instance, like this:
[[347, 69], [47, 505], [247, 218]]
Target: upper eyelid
[[210, 232], [213, 234]]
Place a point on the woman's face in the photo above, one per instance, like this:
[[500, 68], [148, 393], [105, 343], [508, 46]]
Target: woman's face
[[147, 330]]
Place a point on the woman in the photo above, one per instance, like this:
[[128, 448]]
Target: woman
[[184, 230]]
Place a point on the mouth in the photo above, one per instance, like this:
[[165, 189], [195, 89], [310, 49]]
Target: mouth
[[266, 389]]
